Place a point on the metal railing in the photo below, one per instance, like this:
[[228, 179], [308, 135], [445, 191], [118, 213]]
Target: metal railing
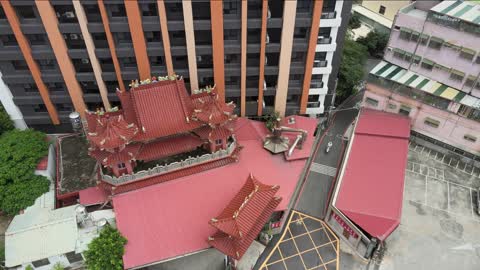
[[168, 168], [329, 15], [324, 40], [316, 85], [320, 63]]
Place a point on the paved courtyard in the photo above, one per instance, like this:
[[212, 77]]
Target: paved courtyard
[[440, 228]]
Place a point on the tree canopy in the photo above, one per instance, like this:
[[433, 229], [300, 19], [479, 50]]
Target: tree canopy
[[21, 152], [6, 123], [105, 252], [375, 42], [351, 71]]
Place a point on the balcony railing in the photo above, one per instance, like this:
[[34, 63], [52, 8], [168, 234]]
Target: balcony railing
[[329, 15], [320, 63], [324, 40], [316, 85], [315, 104], [160, 170]]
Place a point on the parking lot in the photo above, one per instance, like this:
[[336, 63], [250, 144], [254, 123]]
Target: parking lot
[[439, 227]]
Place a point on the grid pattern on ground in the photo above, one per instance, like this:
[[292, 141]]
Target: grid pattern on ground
[[323, 169], [445, 159], [430, 188], [306, 243]]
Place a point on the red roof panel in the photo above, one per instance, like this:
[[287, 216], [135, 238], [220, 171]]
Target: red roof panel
[[168, 147], [92, 196], [171, 219], [371, 189], [241, 214], [162, 109]]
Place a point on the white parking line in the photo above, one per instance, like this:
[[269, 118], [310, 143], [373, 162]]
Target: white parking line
[[471, 200], [448, 196]]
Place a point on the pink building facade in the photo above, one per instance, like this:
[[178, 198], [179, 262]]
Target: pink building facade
[[452, 128], [431, 72]]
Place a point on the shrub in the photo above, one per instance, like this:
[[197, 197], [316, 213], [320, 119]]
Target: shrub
[[375, 42], [105, 252], [6, 123], [271, 119], [19, 186], [351, 70], [58, 266]]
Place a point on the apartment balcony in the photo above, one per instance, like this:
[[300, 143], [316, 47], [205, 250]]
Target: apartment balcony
[[330, 19]]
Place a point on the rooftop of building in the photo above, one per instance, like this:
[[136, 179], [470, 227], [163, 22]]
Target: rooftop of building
[[76, 169], [177, 213], [370, 188], [468, 11]]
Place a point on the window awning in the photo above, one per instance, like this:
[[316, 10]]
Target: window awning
[[427, 61], [458, 72], [406, 30], [469, 51], [436, 39]]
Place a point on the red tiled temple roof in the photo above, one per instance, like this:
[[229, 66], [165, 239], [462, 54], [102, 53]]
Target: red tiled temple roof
[[242, 213], [212, 134], [168, 147], [209, 109], [162, 109], [111, 131], [235, 247], [244, 217], [107, 158]]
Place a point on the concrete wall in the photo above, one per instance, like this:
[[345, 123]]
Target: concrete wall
[[13, 111], [391, 7], [451, 130]]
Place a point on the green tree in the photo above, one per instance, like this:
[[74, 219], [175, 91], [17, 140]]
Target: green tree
[[20, 152], [105, 252], [351, 71], [375, 42], [5, 122], [354, 22]]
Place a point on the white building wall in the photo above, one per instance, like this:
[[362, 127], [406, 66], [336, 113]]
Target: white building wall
[[334, 24], [6, 98]]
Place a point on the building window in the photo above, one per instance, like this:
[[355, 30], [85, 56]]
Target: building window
[[416, 59], [470, 138], [2, 14], [404, 110], [372, 102], [424, 39], [74, 41], [73, 257], [148, 9], [8, 40], [25, 12], [427, 64], [65, 13], [218, 142], [100, 40], [457, 75], [391, 106], [156, 61], [478, 59], [128, 62], [467, 54], [432, 122], [47, 64], [19, 65], [442, 68], [40, 263], [415, 36], [452, 46], [117, 10], [36, 39], [382, 10], [92, 12], [470, 81], [435, 43], [231, 34], [153, 36], [405, 33], [123, 38]]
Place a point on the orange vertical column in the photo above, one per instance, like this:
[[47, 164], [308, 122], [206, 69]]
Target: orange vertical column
[[216, 17], [32, 65], [243, 73], [50, 22], [138, 38], [165, 38], [111, 44], [312, 45], [263, 39]]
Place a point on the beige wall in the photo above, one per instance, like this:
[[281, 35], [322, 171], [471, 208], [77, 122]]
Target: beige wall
[[391, 6]]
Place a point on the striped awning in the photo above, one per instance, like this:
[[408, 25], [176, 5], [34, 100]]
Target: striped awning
[[465, 10], [409, 78]]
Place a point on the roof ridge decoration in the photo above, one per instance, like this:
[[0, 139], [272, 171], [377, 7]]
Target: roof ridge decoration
[[210, 110], [111, 131]]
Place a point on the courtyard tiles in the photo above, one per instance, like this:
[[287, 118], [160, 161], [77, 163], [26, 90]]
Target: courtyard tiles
[[306, 243]]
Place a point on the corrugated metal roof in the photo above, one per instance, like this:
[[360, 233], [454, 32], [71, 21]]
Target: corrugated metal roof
[[400, 75], [36, 235]]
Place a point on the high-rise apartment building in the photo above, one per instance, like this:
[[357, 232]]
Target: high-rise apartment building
[[431, 73], [62, 56]]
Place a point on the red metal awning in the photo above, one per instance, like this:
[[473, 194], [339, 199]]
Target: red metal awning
[[371, 189]]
